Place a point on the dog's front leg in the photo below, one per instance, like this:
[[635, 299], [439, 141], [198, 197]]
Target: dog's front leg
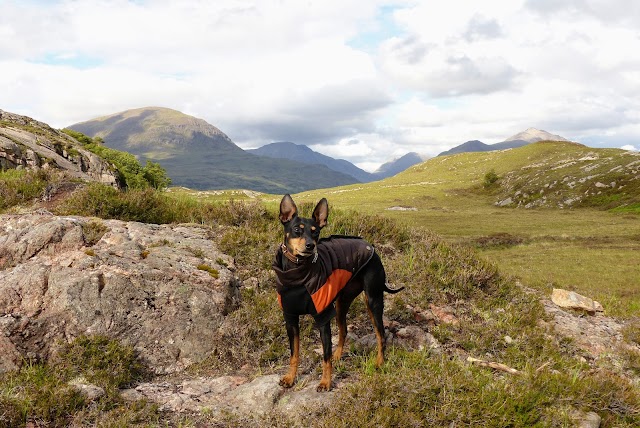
[[293, 331], [325, 336]]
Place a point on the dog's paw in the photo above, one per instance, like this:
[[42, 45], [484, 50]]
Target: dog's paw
[[324, 386], [286, 381]]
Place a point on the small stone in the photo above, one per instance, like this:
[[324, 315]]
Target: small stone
[[587, 420], [90, 391]]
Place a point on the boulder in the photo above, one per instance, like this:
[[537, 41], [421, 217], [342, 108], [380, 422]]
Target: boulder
[[164, 290]]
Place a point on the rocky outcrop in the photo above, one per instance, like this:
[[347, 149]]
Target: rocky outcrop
[[27, 143], [165, 290], [598, 337]]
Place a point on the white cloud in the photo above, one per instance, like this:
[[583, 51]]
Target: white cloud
[[365, 80], [630, 147]]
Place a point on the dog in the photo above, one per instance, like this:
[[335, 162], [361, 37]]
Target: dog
[[322, 277]]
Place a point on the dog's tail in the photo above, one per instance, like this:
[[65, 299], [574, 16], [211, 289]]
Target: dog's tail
[[392, 290]]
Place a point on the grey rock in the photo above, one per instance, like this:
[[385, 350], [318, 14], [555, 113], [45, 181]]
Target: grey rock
[[90, 391], [413, 337], [587, 420], [256, 397], [139, 283]]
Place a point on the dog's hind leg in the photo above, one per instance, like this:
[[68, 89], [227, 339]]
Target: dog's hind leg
[[325, 336], [375, 306], [293, 331]]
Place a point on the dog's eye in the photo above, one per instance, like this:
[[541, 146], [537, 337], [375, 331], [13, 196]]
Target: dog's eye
[[296, 229]]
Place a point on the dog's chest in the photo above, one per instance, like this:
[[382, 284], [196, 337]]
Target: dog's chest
[[314, 286]]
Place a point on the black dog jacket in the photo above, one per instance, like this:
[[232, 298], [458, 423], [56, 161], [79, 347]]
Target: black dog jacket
[[311, 287]]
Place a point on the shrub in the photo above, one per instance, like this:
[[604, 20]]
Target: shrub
[[21, 186], [101, 361], [134, 175], [490, 178], [93, 231], [99, 200]]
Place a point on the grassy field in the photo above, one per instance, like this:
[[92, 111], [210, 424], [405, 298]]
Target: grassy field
[[585, 249]]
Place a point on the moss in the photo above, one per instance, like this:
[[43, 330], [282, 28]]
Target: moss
[[93, 231], [213, 272]]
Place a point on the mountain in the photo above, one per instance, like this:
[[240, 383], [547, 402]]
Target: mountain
[[397, 165], [533, 135], [528, 136], [302, 153], [198, 155]]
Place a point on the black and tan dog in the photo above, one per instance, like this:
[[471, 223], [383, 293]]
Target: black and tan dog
[[312, 274]]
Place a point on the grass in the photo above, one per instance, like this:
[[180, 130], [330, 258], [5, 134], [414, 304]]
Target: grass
[[42, 394]]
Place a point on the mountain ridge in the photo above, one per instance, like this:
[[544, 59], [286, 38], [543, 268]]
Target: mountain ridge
[[528, 136], [198, 155], [303, 153]]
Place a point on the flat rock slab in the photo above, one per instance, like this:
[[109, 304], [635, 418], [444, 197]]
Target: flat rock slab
[[233, 394]]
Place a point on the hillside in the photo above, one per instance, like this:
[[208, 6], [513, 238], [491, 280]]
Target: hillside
[[543, 174], [114, 317], [302, 153], [198, 155], [28, 143]]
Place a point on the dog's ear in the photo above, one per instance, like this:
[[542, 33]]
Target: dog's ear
[[321, 212], [288, 209]]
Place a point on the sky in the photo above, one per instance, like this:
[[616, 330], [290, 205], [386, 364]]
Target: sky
[[362, 80]]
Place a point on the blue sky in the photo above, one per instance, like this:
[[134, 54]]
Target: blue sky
[[364, 80]]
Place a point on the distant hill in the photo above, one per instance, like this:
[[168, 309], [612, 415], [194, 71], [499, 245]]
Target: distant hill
[[198, 155], [396, 166], [302, 153], [528, 136]]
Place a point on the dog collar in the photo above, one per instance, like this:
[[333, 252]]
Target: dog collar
[[295, 259]]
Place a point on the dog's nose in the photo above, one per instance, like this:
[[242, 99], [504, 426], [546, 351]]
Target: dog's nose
[[310, 246]]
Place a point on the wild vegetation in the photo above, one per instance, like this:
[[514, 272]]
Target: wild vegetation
[[134, 175], [421, 387]]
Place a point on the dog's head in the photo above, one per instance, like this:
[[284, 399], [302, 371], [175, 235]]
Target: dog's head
[[301, 234]]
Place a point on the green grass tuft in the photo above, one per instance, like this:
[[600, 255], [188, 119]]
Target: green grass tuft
[[213, 272]]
